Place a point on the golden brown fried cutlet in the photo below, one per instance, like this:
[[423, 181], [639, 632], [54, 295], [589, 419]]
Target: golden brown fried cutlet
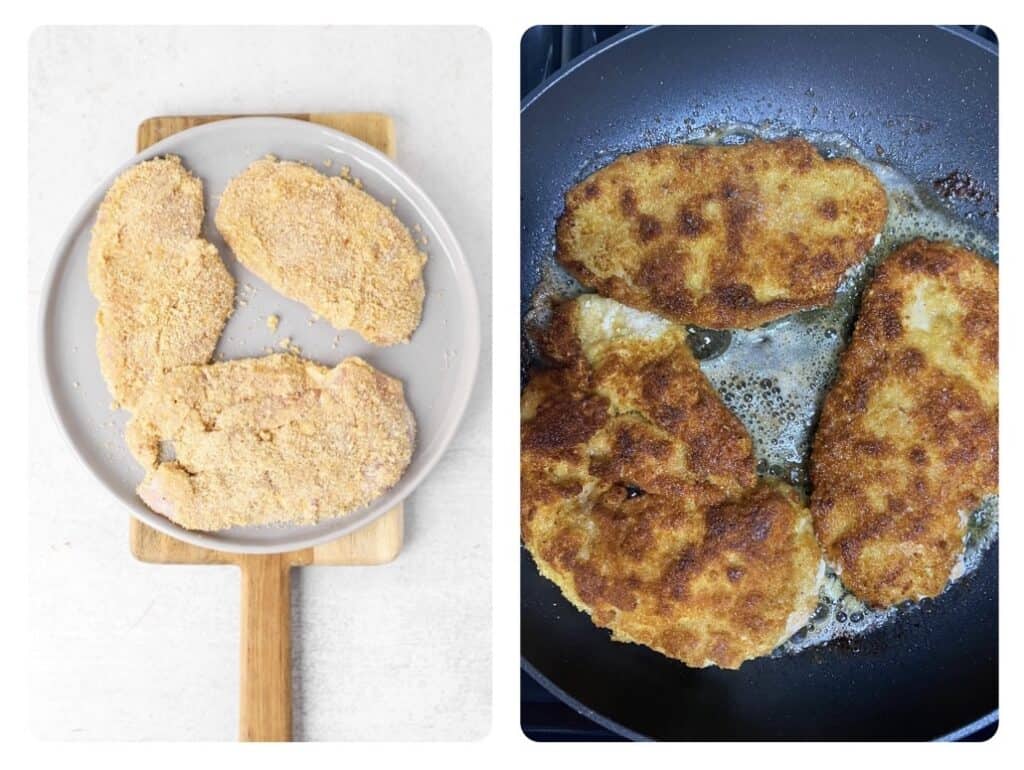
[[164, 293], [327, 244], [640, 500], [269, 440], [721, 236], [907, 442]]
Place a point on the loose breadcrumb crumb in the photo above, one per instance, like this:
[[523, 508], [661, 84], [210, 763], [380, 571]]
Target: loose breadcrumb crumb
[[286, 344]]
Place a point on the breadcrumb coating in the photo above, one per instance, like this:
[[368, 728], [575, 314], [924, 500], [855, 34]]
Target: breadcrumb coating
[[164, 293], [323, 242], [269, 440], [640, 499], [908, 440], [721, 236]]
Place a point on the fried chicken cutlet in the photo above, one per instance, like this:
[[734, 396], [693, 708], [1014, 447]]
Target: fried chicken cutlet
[[721, 236], [640, 499], [327, 244], [269, 440], [164, 293], [907, 442]]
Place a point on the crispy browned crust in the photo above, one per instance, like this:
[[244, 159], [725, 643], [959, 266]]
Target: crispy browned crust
[[641, 411], [640, 500], [907, 443], [721, 236]]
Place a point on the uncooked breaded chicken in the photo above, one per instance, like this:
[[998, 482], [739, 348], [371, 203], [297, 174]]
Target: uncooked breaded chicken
[[721, 236], [323, 242], [269, 440], [164, 293], [640, 500], [907, 443]]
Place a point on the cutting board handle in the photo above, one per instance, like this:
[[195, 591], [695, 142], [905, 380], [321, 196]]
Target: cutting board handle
[[266, 695]]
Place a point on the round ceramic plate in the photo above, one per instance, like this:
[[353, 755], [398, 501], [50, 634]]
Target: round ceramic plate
[[437, 367]]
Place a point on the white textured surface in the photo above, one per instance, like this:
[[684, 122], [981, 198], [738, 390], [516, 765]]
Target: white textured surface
[[122, 650]]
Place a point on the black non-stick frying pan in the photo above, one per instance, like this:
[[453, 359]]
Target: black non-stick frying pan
[[924, 99]]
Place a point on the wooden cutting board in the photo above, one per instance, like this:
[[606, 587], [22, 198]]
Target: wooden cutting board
[[265, 698]]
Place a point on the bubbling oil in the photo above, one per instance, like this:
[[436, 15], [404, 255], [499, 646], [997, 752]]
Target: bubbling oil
[[775, 377]]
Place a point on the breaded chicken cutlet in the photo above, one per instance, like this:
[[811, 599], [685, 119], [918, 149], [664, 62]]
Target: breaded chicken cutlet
[[164, 293], [327, 244], [721, 236], [907, 443], [640, 499], [269, 440]]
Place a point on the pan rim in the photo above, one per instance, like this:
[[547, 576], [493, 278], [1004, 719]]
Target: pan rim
[[631, 32], [578, 706], [621, 730], [525, 103], [462, 393]]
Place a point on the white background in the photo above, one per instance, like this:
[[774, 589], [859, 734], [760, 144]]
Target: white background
[[505, 745], [122, 650]]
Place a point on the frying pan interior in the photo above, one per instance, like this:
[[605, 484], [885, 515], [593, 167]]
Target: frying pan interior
[[923, 99]]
